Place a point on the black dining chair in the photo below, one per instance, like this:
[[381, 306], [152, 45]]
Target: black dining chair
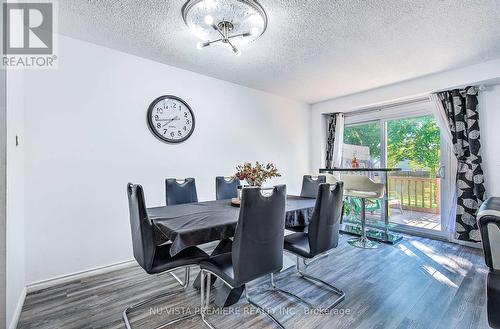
[[152, 254], [180, 191], [310, 185], [488, 220], [309, 189], [257, 248], [322, 236], [226, 189]]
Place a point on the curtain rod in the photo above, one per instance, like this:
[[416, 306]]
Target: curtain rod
[[420, 98], [479, 87], [385, 106], [423, 98]]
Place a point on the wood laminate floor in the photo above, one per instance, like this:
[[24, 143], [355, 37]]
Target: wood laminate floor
[[418, 283]]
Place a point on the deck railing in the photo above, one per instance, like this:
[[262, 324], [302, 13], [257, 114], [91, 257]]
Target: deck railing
[[415, 193]]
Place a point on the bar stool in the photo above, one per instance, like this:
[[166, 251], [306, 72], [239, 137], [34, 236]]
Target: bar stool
[[362, 187]]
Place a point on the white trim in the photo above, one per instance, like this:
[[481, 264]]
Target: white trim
[[421, 232], [17, 311], [476, 245], [36, 286], [395, 111], [433, 234]]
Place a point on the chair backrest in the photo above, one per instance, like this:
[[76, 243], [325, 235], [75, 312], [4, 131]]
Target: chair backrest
[[361, 183], [488, 220], [179, 193], [226, 189], [258, 241], [323, 230], [310, 185], [331, 178], [143, 237]]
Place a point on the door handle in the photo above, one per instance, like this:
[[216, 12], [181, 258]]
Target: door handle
[[441, 172]]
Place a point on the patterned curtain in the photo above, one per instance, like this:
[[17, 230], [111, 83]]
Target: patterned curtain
[[463, 116], [330, 140]]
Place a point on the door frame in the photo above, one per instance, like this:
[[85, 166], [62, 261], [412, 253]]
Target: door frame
[[3, 192], [417, 108]]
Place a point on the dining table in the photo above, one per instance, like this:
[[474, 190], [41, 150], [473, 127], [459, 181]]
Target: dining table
[[194, 224]]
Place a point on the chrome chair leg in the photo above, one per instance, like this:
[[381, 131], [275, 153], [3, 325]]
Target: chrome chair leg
[[254, 304], [288, 293], [205, 296], [315, 259], [184, 285], [303, 275], [363, 241], [205, 299], [329, 286]]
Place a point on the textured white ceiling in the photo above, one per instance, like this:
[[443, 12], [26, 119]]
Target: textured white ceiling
[[313, 49]]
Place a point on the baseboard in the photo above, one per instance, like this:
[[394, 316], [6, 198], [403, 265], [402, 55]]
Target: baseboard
[[476, 245], [37, 286], [17, 311]]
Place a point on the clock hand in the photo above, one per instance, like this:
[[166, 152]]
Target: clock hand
[[166, 123], [170, 120]]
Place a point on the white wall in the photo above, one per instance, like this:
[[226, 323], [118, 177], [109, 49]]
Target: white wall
[[489, 107], [489, 121], [86, 137], [15, 197]]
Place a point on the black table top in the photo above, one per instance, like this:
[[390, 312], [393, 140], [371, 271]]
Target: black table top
[[192, 224], [359, 169]]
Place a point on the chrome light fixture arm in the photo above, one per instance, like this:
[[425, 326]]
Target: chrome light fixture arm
[[224, 28], [231, 22]]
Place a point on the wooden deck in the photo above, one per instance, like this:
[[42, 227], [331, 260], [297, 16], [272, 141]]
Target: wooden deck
[[413, 218], [417, 219]]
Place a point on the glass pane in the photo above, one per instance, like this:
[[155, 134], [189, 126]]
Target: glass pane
[[362, 148], [413, 144]]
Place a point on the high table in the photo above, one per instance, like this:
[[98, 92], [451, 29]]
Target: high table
[[385, 235], [193, 224]]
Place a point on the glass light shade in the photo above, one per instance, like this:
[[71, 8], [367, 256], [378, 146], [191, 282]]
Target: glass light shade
[[246, 16], [209, 20]]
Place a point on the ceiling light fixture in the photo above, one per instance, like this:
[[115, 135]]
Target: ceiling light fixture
[[231, 23]]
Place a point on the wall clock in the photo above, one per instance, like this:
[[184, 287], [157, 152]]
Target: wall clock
[[170, 119]]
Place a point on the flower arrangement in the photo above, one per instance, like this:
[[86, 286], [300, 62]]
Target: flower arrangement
[[256, 175]]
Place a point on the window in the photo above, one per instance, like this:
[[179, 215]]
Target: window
[[362, 143]]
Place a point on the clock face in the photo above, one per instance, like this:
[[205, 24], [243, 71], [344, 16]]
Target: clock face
[[170, 119]]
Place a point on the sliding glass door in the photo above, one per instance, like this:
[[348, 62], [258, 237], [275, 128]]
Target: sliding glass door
[[411, 142]]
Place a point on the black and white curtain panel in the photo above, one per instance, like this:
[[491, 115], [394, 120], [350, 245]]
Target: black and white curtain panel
[[463, 117], [330, 140]]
